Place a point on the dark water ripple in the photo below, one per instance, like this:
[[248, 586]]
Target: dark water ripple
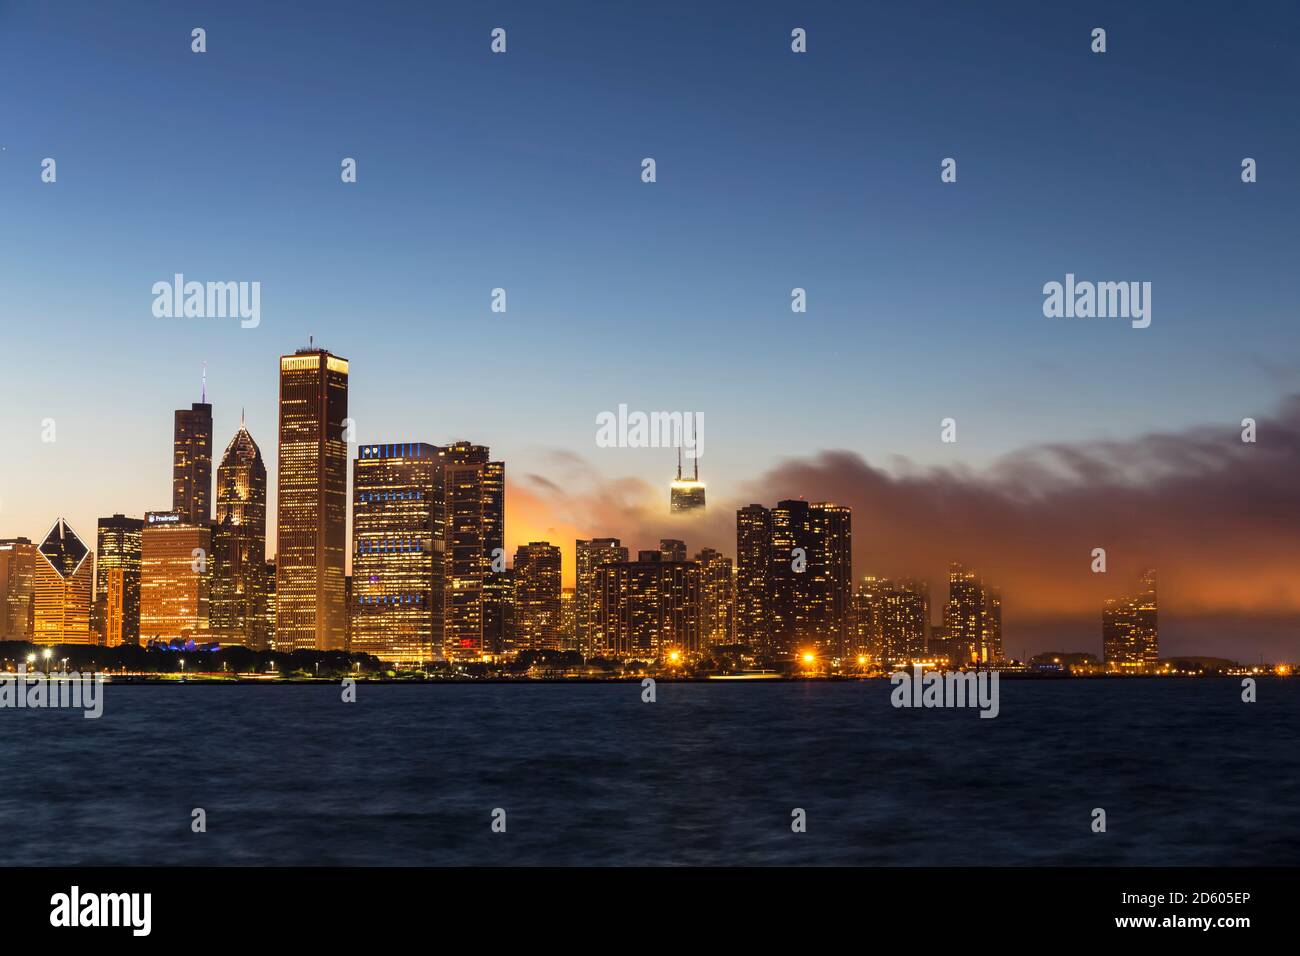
[[588, 774]]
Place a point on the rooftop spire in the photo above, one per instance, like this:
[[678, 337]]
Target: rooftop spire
[[203, 391]]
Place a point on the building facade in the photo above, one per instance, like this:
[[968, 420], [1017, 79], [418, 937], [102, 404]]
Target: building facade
[[63, 589], [649, 608], [972, 618], [311, 515], [239, 545], [590, 554], [192, 463], [17, 587], [1130, 640], [471, 525], [175, 578], [117, 548], [536, 579], [396, 552]]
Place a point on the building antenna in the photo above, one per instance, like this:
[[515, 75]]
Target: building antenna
[[679, 462], [203, 390], [696, 459]]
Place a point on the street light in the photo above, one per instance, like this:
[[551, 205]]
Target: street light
[[48, 654]]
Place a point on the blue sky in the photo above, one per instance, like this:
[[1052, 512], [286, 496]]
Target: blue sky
[[522, 170]]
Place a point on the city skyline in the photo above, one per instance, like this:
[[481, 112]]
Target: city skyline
[[700, 526]]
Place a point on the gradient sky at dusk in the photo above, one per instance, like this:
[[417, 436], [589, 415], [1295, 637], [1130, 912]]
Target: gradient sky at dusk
[[522, 171]]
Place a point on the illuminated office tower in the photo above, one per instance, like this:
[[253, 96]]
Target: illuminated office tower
[[63, 589], [904, 620], [753, 565], [117, 546], [672, 549], [686, 494], [395, 551], [972, 618], [1130, 642], [649, 607], [590, 554], [537, 597], [311, 515], [112, 610], [192, 463], [175, 578], [717, 598], [17, 583], [471, 526], [239, 545]]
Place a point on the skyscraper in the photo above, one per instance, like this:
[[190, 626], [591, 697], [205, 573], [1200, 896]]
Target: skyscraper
[[686, 494], [795, 580], [63, 589], [717, 598], [904, 620], [311, 518], [117, 544], [471, 525], [175, 578], [192, 463], [590, 555], [649, 607], [537, 596], [753, 564], [17, 583], [972, 618], [1130, 641], [395, 551], [239, 545]]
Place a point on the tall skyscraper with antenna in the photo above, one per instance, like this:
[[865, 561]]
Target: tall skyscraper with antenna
[[687, 494], [192, 460]]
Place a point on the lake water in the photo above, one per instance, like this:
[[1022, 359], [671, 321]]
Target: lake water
[[708, 774]]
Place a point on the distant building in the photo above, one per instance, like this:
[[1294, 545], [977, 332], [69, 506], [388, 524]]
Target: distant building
[[117, 543], [175, 578], [112, 610], [1128, 630], [649, 608], [717, 599], [589, 556], [686, 494], [396, 552], [972, 618], [537, 597], [311, 502], [672, 549], [269, 608], [63, 588], [192, 463], [904, 620], [17, 586]]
